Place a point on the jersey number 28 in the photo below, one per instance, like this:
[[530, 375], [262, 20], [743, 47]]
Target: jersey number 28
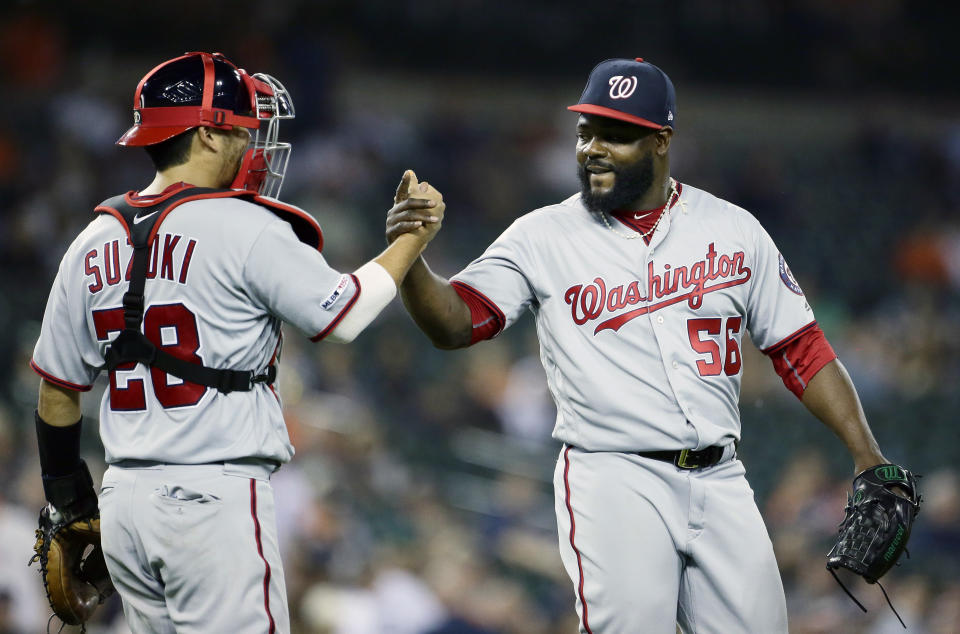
[[171, 327]]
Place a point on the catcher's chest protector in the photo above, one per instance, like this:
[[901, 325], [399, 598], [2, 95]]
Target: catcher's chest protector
[[141, 222]]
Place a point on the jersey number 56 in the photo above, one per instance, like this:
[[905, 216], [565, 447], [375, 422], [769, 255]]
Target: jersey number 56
[[729, 361]]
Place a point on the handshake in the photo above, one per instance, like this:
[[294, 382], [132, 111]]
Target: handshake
[[417, 210]]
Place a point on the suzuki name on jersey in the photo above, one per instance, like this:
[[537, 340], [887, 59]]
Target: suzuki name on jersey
[[589, 302], [168, 261]]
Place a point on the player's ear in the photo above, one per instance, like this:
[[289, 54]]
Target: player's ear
[[208, 138], [663, 140]]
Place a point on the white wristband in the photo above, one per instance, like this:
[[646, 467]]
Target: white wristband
[[377, 289]]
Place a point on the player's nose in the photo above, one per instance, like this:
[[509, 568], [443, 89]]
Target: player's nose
[[593, 148]]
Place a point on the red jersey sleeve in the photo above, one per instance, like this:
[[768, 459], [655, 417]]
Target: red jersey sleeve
[[800, 356], [488, 320]]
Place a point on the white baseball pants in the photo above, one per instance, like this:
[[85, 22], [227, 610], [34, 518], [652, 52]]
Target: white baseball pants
[[192, 549], [648, 546]]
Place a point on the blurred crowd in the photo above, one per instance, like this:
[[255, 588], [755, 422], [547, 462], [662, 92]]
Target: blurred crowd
[[420, 498]]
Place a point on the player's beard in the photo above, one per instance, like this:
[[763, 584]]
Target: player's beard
[[630, 184]]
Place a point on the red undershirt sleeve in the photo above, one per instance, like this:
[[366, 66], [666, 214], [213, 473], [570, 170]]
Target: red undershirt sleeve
[[488, 320], [798, 358]]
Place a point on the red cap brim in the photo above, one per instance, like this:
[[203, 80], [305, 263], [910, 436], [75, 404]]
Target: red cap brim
[[139, 135], [603, 111]]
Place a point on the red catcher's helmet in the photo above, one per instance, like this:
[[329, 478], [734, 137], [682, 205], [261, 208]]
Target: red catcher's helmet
[[207, 89]]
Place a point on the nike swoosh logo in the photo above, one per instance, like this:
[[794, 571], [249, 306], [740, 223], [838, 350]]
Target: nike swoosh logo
[[639, 216], [138, 219]]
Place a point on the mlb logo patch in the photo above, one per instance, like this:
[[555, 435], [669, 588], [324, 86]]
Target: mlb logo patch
[[336, 293]]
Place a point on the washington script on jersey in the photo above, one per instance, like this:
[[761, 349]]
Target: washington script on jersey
[[111, 262], [588, 302]]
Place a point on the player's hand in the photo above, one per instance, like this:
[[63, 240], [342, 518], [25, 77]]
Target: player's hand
[[418, 210]]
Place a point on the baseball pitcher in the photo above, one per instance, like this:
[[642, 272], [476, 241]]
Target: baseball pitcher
[[643, 288]]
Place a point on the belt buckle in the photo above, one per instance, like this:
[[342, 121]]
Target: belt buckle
[[681, 460]]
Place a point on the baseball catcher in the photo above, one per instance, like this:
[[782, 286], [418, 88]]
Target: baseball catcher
[[879, 516], [191, 433]]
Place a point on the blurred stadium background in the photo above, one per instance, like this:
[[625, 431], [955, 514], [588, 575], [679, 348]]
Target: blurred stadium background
[[420, 500]]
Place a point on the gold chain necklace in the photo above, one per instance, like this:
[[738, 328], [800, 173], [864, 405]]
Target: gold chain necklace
[[635, 235]]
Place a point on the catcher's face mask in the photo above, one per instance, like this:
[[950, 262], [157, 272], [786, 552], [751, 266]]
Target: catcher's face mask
[[265, 161], [207, 89]]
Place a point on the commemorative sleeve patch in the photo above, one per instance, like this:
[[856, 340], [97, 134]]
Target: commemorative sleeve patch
[[787, 276], [336, 293]]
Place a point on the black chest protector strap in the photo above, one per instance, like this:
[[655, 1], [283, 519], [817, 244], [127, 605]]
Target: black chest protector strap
[[131, 345]]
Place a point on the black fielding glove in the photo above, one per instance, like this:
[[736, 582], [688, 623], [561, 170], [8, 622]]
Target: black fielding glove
[[877, 524]]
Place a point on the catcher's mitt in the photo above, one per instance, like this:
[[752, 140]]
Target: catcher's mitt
[[877, 524], [68, 548]]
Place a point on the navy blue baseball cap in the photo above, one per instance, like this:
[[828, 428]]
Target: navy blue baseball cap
[[630, 90]]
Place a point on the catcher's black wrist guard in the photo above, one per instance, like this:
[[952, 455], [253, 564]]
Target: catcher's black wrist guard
[[59, 446], [72, 495], [877, 524]]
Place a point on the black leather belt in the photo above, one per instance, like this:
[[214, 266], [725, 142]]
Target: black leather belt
[[687, 458]]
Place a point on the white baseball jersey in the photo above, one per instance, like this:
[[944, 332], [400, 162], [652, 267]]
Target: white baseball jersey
[[641, 344], [223, 273]]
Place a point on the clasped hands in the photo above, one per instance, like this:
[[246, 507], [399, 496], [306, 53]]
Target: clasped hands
[[418, 210]]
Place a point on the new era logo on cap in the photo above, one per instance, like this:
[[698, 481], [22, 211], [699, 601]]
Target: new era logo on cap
[[630, 90]]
